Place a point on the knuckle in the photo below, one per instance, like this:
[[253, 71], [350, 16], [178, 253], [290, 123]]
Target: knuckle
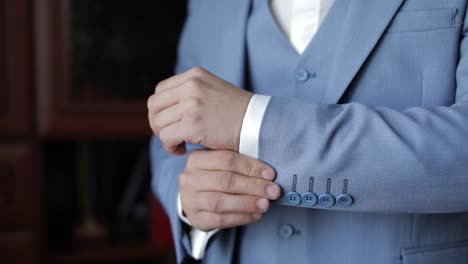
[[184, 179], [219, 221], [257, 188], [157, 126], [195, 88], [244, 219], [228, 159], [195, 137], [186, 206], [150, 102], [197, 71], [193, 115], [164, 136], [194, 103], [157, 86], [202, 222], [160, 85], [152, 123], [226, 181], [246, 205], [195, 85], [194, 220], [253, 168], [198, 222], [215, 202], [201, 225]]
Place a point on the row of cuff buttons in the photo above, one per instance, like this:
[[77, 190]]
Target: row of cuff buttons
[[326, 200]]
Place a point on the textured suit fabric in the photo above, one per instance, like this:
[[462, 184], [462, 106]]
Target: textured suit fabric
[[393, 122]]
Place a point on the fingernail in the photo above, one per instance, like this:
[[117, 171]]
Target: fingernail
[[273, 191], [268, 174], [262, 204], [257, 216]]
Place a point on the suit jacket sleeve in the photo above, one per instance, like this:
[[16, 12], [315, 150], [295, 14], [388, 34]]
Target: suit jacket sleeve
[[409, 161]]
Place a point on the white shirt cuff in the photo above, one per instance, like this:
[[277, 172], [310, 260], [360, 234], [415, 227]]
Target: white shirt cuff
[[181, 212], [249, 141], [199, 239], [250, 131]]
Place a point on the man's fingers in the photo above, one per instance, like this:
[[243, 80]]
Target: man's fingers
[[172, 82], [217, 202], [179, 79], [169, 97], [230, 161], [172, 138], [161, 101], [208, 221], [231, 183], [167, 117]]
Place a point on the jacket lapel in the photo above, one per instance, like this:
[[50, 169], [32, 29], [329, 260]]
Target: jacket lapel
[[364, 24]]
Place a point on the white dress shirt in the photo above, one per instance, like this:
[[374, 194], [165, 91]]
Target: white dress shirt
[[299, 20]]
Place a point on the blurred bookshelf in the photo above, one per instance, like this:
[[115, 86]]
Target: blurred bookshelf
[[74, 162], [98, 61]]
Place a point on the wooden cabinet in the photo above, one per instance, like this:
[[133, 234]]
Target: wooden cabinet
[[15, 69]]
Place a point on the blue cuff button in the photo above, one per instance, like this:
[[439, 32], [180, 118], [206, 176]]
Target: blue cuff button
[[309, 199], [344, 200], [326, 200], [293, 198]]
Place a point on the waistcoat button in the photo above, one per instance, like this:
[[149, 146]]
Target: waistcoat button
[[302, 75], [286, 231]]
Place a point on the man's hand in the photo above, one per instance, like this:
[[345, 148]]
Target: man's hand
[[220, 189], [197, 107]]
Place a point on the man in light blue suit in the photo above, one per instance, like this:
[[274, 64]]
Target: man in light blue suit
[[366, 130]]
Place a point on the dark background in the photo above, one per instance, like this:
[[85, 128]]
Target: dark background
[[74, 167]]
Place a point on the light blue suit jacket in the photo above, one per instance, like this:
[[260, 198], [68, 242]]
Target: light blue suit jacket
[[393, 123]]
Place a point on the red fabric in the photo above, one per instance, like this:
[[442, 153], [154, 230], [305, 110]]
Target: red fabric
[[161, 236]]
